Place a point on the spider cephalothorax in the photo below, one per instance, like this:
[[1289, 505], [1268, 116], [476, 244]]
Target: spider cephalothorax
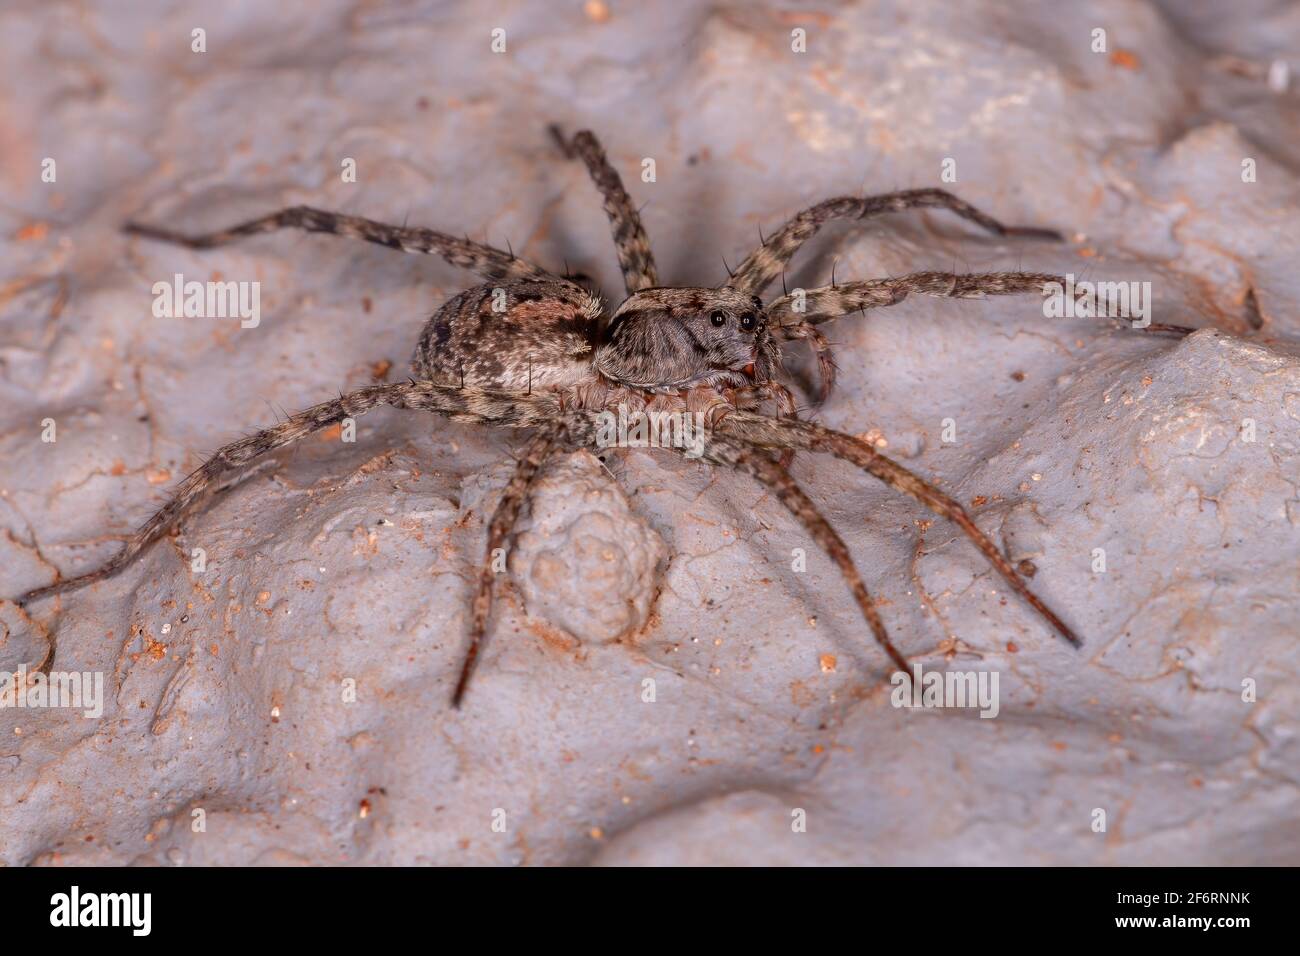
[[529, 349], [666, 340]]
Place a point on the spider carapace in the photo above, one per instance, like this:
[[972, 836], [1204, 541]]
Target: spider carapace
[[531, 348]]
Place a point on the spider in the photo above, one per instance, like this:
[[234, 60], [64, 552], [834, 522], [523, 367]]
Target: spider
[[533, 349]]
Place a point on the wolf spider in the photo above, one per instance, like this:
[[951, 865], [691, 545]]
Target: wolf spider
[[530, 349]]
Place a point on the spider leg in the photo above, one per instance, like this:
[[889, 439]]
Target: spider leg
[[796, 314], [778, 433], [630, 240], [774, 476], [500, 529], [821, 348], [492, 264], [772, 391], [766, 262], [493, 408], [814, 306], [751, 397], [824, 303]]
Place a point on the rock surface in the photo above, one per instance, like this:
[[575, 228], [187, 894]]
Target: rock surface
[[288, 703]]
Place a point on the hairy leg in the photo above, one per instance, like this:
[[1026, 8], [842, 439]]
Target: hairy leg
[[815, 306], [494, 408], [492, 264], [500, 529], [802, 310], [630, 240], [773, 476], [765, 263], [821, 348], [783, 433], [751, 396]]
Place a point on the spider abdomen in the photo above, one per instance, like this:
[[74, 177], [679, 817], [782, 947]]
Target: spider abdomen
[[511, 336]]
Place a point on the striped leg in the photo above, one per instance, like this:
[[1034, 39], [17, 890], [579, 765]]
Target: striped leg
[[773, 476], [500, 528], [458, 404], [796, 314], [492, 264], [765, 263], [630, 240], [779, 433]]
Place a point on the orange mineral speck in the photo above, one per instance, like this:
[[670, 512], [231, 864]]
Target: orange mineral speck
[[33, 232], [828, 663], [1126, 59]]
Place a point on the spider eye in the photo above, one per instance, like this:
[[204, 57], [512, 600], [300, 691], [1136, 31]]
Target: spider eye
[[748, 321], [719, 319]]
